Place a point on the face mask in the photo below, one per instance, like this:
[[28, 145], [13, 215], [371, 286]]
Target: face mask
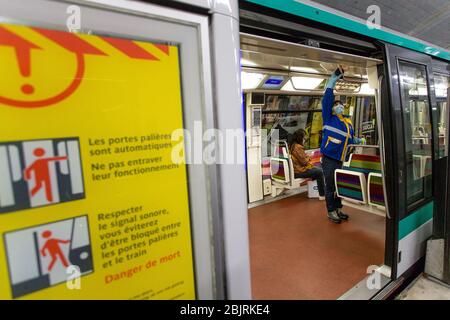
[[339, 109]]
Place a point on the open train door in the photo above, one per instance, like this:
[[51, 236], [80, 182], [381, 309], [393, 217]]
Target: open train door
[[438, 249], [412, 156], [100, 88]]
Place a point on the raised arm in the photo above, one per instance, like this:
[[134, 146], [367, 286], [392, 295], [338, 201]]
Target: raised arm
[[57, 158], [327, 105], [328, 98]]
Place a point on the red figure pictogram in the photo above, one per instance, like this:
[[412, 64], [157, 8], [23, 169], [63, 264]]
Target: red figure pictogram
[[41, 170], [53, 248]]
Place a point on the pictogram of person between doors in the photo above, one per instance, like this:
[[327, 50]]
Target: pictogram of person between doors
[[75, 45]]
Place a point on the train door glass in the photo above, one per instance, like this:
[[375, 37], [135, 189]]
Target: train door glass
[[441, 84], [417, 131], [412, 166], [365, 120]]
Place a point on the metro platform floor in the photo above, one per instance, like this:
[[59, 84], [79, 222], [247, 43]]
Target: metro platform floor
[[297, 253], [426, 288]]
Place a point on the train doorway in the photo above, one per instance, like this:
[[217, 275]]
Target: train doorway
[[295, 252]]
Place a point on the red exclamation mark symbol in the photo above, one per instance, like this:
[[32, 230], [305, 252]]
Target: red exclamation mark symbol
[[23, 54]]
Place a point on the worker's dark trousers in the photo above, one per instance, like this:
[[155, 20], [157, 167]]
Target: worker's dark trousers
[[330, 165]]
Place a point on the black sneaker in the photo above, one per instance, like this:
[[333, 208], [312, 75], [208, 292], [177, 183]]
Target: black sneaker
[[341, 214], [333, 216]]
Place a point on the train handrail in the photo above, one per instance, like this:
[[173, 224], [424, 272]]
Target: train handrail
[[322, 90], [360, 146]]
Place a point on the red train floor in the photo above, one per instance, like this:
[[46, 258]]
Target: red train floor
[[297, 253]]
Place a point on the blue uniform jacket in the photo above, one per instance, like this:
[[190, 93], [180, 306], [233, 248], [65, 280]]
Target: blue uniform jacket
[[337, 130]]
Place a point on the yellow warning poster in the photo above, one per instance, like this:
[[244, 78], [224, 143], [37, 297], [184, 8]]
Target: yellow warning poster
[[91, 205]]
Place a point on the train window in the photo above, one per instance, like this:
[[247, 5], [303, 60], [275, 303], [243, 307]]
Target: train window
[[288, 113], [417, 130], [441, 85], [363, 114], [284, 114], [367, 123]]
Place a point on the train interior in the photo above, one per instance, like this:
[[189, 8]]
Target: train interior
[[295, 252]]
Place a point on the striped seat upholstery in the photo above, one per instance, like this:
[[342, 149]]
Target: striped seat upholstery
[[280, 151], [351, 185], [315, 158], [265, 168], [279, 170], [282, 168], [375, 190], [361, 181], [365, 164]]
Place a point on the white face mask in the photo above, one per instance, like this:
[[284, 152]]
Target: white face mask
[[339, 109]]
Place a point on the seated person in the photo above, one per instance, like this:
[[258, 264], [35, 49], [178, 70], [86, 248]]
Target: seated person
[[303, 168]]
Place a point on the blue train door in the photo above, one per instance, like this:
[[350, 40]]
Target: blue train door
[[413, 158]]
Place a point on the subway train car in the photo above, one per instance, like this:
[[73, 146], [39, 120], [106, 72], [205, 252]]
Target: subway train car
[[394, 187], [104, 105]]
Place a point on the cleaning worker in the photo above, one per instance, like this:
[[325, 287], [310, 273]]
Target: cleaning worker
[[337, 134]]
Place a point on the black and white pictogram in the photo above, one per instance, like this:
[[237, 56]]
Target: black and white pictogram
[[39, 172], [38, 257]]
